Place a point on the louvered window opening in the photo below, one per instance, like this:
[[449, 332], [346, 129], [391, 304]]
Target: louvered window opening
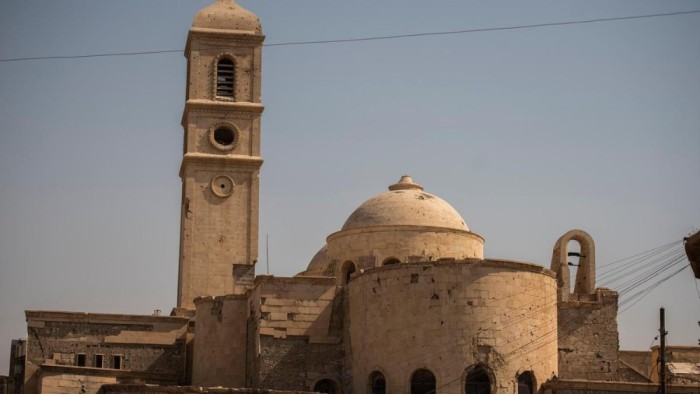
[[224, 78]]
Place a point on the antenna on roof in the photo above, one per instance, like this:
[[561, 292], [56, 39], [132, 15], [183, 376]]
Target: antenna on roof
[[267, 252]]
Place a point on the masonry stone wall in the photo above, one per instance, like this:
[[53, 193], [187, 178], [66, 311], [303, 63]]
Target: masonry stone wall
[[141, 389], [448, 317], [299, 330], [152, 344], [635, 366], [5, 385], [62, 383], [597, 387], [588, 338], [682, 364], [220, 195], [219, 357], [371, 247]]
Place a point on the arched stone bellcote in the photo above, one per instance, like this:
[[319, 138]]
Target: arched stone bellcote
[[585, 275]]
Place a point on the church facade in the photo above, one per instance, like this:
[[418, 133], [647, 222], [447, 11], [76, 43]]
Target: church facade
[[400, 300]]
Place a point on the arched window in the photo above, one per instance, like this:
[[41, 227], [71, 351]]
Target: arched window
[[478, 381], [347, 271], [526, 383], [377, 383], [224, 78], [422, 382], [326, 386], [391, 260]]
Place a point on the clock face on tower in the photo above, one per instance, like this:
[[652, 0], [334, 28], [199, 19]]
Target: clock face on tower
[[222, 186]]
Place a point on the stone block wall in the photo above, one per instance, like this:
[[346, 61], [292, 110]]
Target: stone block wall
[[298, 322], [152, 344], [220, 345], [371, 247], [62, 383], [5, 385], [596, 387], [682, 364], [141, 389], [588, 339], [635, 366], [448, 317]]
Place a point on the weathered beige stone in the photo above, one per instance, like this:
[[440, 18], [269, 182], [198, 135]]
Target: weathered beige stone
[[402, 286], [494, 334], [219, 220]]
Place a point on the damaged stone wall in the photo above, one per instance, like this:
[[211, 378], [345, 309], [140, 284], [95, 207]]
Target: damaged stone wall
[[449, 316], [369, 249], [588, 339], [154, 345], [141, 389], [5, 385], [220, 344], [299, 327], [557, 386], [635, 366], [682, 364], [61, 383]]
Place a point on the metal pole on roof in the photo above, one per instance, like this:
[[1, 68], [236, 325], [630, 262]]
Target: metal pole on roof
[[267, 252], [662, 351]]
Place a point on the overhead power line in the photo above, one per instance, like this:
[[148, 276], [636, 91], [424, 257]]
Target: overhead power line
[[443, 33], [375, 38]]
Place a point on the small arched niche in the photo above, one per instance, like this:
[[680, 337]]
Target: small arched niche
[[478, 380], [423, 382], [326, 386], [391, 261], [526, 383], [376, 383], [346, 270]]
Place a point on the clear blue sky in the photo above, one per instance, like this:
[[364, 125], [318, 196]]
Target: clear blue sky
[[527, 133]]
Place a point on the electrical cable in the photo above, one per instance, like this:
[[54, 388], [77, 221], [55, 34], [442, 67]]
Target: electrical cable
[[607, 270], [375, 38], [612, 277], [652, 288], [622, 284]]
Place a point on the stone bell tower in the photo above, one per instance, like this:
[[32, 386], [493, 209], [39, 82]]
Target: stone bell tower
[[221, 159]]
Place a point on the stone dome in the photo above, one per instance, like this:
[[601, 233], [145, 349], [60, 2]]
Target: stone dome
[[405, 204], [227, 15], [319, 262]]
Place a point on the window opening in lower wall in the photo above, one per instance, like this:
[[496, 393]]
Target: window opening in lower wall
[[80, 360], [99, 360], [526, 383], [391, 261], [377, 383], [478, 381], [422, 382], [117, 362], [326, 386]]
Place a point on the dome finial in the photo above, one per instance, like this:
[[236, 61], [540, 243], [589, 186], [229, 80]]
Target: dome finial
[[405, 183], [227, 15]]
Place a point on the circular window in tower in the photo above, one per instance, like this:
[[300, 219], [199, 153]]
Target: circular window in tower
[[222, 186], [223, 136]]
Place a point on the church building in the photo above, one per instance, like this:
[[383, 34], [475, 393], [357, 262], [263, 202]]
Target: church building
[[401, 299]]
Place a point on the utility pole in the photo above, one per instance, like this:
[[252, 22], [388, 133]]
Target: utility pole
[[662, 351]]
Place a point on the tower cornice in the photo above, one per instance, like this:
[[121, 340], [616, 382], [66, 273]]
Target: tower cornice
[[240, 161], [231, 107], [232, 36]]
